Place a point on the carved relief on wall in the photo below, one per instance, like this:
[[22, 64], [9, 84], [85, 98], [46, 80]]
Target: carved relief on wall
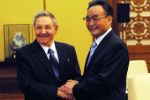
[[137, 31]]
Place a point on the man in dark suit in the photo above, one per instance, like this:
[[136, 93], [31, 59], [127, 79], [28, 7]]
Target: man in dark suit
[[105, 71], [38, 77]]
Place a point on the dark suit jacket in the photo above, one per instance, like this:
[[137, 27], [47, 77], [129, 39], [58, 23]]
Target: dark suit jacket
[[105, 76], [35, 76]]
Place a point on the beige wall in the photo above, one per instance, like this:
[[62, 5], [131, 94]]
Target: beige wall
[[69, 14]]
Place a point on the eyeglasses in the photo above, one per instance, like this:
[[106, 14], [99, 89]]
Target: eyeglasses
[[94, 18]]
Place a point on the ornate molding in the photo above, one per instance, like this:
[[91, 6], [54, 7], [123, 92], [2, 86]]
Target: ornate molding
[[138, 29]]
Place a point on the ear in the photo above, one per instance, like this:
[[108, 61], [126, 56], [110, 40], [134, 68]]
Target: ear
[[109, 19], [56, 27]]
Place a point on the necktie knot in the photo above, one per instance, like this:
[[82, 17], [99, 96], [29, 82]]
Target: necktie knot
[[92, 49], [51, 55], [53, 62], [50, 51], [94, 45]]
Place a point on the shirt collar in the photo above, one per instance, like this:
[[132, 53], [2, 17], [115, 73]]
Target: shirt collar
[[100, 38], [53, 47], [45, 48]]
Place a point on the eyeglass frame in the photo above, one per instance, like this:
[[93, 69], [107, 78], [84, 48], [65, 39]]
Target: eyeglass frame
[[93, 17]]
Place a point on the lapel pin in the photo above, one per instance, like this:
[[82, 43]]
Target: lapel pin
[[68, 60]]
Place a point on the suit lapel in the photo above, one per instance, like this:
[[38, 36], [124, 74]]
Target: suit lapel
[[61, 57], [103, 43], [60, 52], [41, 56]]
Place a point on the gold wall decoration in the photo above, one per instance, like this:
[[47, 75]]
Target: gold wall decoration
[[137, 31]]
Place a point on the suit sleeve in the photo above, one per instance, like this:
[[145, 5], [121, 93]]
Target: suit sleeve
[[76, 75], [30, 87], [112, 70]]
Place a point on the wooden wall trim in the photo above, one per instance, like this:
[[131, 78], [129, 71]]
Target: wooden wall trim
[[139, 49], [113, 3], [140, 52]]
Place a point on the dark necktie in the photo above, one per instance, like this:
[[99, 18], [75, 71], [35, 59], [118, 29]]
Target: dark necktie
[[53, 62], [93, 47]]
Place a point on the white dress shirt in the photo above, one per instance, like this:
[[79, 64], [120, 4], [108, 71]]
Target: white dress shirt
[[53, 47], [100, 38]]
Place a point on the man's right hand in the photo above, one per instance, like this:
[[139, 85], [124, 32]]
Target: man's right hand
[[63, 95]]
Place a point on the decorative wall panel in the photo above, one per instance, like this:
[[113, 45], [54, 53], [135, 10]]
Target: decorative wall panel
[[15, 37], [137, 31]]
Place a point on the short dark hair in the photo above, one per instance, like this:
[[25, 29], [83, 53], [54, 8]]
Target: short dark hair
[[108, 9], [45, 13]]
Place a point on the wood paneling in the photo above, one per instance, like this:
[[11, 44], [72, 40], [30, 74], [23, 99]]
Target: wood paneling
[[140, 53], [113, 3], [136, 52], [8, 81], [9, 90], [11, 96]]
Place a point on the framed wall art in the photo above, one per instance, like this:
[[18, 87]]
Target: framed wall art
[[15, 37]]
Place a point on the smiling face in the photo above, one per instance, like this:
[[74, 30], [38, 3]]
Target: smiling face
[[98, 23], [45, 30]]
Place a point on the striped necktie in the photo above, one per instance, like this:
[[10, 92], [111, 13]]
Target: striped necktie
[[53, 62]]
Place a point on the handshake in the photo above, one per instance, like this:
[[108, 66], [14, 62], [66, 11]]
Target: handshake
[[65, 91]]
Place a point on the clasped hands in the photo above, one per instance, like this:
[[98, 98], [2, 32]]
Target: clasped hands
[[65, 91]]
